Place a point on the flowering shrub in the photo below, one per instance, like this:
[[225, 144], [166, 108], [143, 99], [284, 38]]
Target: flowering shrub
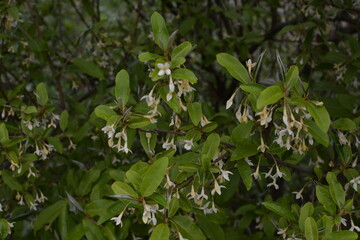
[[162, 164]]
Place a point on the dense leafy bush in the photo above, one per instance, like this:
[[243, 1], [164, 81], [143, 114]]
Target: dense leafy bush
[[243, 124]]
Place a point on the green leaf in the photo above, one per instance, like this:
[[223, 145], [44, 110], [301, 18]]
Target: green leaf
[[311, 231], [153, 177], [245, 173], [64, 120], [188, 228], [121, 188], [138, 122], [233, 66], [147, 56], [30, 109], [161, 232], [104, 112], [12, 182], [320, 115], [319, 135], [344, 124], [173, 206], [324, 197], [244, 150], [186, 74], [122, 86], [56, 142], [268, 96], [212, 230], [279, 210], [49, 214], [4, 229], [209, 149], [292, 76], [195, 112], [335, 188], [177, 62], [160, 31], [88, 67], [4, 134], [182, 50], [76, 233], [241, 132], [41, 93], [342, 235], [254, 88], [88, 180], [306, 211], [92, 231]]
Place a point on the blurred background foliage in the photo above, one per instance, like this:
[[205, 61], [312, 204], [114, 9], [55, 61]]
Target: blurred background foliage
[[77, 46]]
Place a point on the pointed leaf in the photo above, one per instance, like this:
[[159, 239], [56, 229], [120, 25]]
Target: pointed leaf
[[41, 93], [209, 149], [121, 188], [268, 96], [88, 67], [233, 66], [311, 231], [186, 74], [195, 112], [161, 232], [153, 177], [320, 115], [279, 210], [160, 31], [49, 214], [122, 86]]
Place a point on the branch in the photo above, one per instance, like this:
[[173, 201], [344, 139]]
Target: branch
[[229, 145]]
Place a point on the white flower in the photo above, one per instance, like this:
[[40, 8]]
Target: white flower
[[265, 117], [224, 175], [278, 172], [167, 145], [33, 206], [118, 219], [355, 182], [282, 232], [250, 65], [150, 100], [109, 130], [273, 183], [184, 87], [262, 146], [342, 138], [343, 221], [181, 237], [169, 183], [171, 85], [353, 227], [192, 193], [256, 174], [298, 194], [231, 99], [71, 145], [149, 213], [217, 188], [204, 121], [248, 161], [1, 210], [188, 144], [201, 196], [164, 69]]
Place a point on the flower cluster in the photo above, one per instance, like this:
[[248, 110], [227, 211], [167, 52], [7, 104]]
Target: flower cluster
[[122, 143], [294, 133]]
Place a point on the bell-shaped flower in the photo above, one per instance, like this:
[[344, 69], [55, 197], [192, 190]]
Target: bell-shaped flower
[[188, 144]]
